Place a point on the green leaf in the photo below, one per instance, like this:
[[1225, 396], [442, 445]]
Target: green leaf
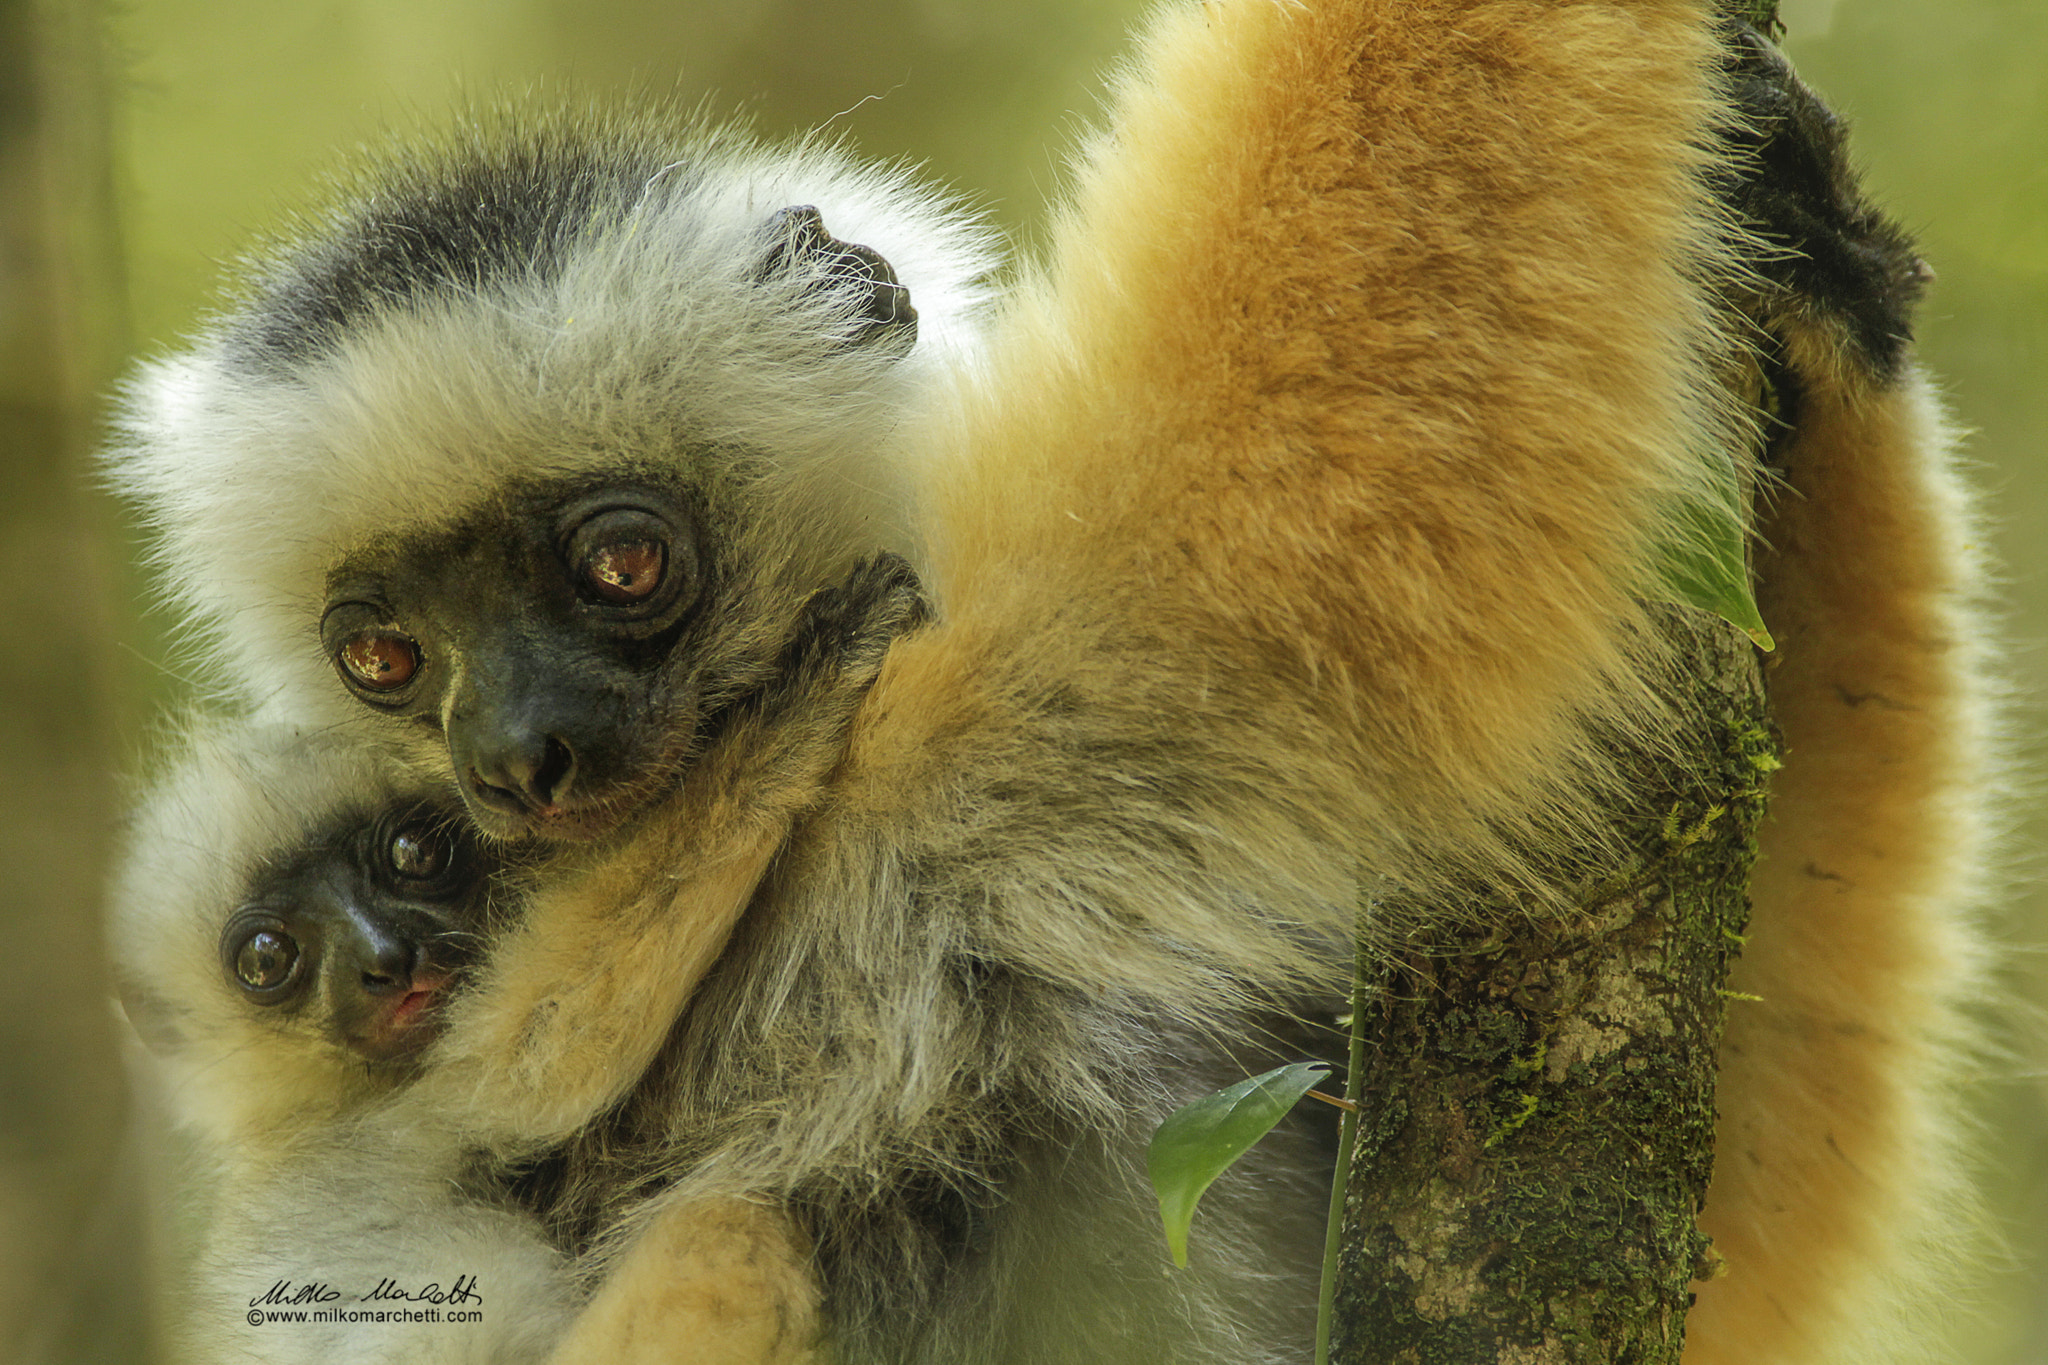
[[1707, 565], [1198, 1142]]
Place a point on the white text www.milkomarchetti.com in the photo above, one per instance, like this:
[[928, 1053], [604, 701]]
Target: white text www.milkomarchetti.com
[[259, 1317]]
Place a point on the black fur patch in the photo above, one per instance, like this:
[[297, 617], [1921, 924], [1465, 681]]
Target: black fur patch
[[474, 218], [1842, 261]]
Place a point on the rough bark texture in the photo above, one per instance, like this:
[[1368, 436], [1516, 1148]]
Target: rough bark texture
[[1538, 1100]]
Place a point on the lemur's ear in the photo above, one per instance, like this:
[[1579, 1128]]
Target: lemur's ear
[[802, 247]]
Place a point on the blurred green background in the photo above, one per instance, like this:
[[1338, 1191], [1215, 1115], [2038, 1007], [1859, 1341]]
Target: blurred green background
[[141, 144]]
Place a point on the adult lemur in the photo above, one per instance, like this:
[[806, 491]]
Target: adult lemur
[[1283, 538]]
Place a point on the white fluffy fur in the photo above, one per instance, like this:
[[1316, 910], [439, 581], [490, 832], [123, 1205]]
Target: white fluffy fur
[[348, 1210], [295, 1173]]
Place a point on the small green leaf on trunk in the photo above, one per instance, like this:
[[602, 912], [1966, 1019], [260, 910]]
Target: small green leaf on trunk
[[1708, 567], [1199, 1141]]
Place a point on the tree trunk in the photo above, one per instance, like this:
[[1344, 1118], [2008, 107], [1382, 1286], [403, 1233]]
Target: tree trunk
[[1536, 1124]]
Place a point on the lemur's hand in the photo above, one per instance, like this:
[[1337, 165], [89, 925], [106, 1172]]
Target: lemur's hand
[[1832, 261]]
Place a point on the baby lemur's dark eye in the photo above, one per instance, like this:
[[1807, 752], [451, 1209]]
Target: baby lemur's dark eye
[[379, 660], [263, 958], [629, 571], [266, 959], [420, 852]]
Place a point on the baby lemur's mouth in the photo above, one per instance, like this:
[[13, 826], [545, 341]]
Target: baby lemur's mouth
[[405, 1021], [405, 1014]]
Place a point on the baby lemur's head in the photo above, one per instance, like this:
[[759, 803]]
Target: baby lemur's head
[[355, 936], [295, 915]]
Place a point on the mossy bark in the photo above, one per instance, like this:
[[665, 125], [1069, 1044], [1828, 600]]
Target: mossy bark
[[1536, 1129]]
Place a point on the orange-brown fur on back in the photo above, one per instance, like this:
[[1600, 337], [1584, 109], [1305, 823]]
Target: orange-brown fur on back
[[1365, 367], [1298, 509]]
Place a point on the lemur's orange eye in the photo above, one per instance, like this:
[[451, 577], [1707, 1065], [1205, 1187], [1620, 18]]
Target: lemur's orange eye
[[380, 660], [626, 572]]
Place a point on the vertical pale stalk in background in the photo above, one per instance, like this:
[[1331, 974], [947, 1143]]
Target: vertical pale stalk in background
[[72, 1277]]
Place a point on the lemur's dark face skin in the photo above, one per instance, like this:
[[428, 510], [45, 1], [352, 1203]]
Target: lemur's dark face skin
[[361, 933], [563, 639]]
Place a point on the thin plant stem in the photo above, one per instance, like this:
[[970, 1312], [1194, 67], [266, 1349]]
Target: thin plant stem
[[1347, 1138]]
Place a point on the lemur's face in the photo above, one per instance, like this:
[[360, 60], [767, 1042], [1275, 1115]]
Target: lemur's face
[[568, 642], [573, 640], [358, 936]]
